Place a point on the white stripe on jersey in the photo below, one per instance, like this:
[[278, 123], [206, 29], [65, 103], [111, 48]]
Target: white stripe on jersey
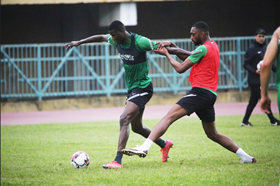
[[196, 52], [151, 44], [108, 40]]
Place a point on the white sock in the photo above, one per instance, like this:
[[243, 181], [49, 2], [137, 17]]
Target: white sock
[[146, 145], [244, 156]]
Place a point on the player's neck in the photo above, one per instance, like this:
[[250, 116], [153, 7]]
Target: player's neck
[[127, 37], [207, 39]]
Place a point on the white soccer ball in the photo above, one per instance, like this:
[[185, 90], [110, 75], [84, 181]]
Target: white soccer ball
[[259, 64], [79, 160]]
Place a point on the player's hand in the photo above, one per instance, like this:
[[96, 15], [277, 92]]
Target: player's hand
[[162, 51], [70, 45], [163, 44], [265, 104], [258, 71]]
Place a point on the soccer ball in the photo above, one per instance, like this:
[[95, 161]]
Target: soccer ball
[[80, 160], [259, 65]]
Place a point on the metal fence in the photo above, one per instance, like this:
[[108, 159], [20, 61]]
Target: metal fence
[[48, 70]]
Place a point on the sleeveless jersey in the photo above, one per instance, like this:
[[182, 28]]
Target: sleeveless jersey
[[205, 71], [135, 61], [131, 56]]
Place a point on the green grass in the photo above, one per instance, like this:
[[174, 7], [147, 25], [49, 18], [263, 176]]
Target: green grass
[[40, 155]]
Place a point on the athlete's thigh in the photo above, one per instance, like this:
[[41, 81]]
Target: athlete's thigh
[[130, 111], [176, 112]]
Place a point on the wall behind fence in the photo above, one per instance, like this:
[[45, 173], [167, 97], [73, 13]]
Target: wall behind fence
[[48, 70]]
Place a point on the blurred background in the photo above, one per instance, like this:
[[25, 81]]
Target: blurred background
[[53, 21]]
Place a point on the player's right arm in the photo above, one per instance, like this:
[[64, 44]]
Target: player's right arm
[[270, 55], [179, 67], [91, 39], [180, 53]]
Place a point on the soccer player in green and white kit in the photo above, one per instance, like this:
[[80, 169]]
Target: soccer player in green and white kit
[[272, 52], [132, 49]]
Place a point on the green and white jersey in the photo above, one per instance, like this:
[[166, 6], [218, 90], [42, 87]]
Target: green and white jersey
[[136, 73]]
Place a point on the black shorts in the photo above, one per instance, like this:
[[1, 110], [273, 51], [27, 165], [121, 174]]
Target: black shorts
[[201, 102], [140, 96]]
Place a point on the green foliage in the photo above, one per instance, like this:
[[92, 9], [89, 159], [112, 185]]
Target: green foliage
[[40, 155]]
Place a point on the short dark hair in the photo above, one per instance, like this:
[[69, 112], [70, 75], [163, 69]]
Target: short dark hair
[[116, 25], [200, 25]]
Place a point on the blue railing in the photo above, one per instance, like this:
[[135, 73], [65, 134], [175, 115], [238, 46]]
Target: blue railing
[[48, 70]]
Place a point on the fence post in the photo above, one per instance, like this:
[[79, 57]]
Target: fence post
[[39, 73], [239, 70]]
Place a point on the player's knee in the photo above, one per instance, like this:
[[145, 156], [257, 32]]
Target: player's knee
[[213, 136], [125, 119]]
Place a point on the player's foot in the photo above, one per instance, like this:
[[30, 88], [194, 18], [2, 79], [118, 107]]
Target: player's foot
[[112, 165], [165, 150], [247, 124], [277, 122], [253, 160], [135, 151]]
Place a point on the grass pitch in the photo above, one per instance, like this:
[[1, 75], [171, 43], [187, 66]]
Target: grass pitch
[[40, 155]]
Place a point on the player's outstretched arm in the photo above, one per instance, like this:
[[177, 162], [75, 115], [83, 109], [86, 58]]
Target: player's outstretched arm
[[91, 39], [179, 67], [174, 49], [180, 53], [268, 60], [166, 44]]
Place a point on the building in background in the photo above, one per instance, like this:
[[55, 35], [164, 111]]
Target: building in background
[[56, 21]]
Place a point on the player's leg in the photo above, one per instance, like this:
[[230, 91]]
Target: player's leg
[[257, 93], [138, 127], [254, 98], [226, 142], [175, 113], [211, 132], [274, 121], [130, 111]]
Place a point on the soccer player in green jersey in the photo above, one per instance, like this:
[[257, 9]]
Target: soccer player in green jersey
[[201, 98], [272, 52], [132, 49]]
